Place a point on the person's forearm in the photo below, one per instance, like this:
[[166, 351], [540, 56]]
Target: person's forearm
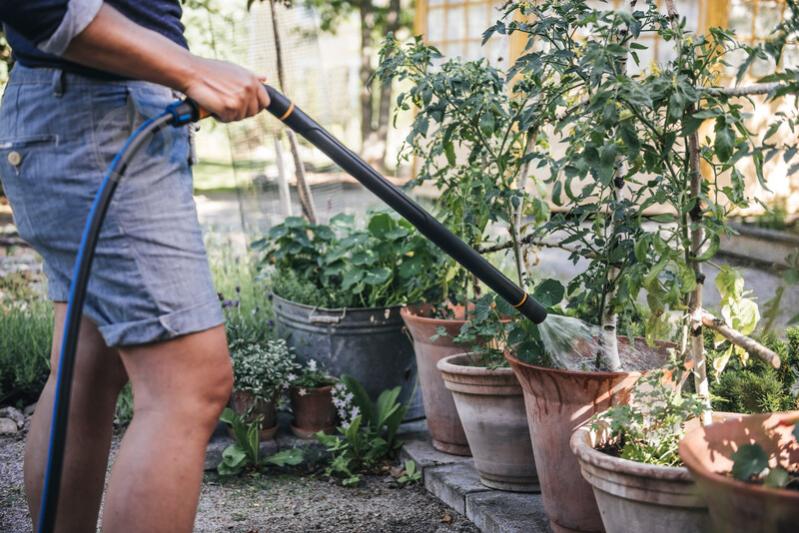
[[113, 43]]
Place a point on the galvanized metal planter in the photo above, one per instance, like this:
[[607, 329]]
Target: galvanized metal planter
[[367, 344]]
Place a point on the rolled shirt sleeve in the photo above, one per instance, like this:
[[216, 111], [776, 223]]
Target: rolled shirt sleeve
[[49, 24]]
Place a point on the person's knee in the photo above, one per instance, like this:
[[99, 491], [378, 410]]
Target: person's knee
[[188, 379]]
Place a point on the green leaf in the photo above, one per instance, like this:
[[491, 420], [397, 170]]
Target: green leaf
[[777, 478], [487, 124], [748, 462], [290, 457], [549, 292], [724, 143]]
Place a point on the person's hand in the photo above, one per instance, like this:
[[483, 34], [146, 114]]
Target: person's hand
[[227, 91]]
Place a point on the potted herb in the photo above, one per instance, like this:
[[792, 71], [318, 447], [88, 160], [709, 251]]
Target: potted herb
[[628, 454], [747, 468], [338, 290], [473, 132], [311, 395], [260, 374]]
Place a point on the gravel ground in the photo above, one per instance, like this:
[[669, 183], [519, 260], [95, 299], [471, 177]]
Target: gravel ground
[[274, 502]]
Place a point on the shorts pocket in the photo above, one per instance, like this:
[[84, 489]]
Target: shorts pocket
[[23, 160]]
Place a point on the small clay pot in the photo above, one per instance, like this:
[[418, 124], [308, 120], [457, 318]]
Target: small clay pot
[[446, 430], [313, 411], [244, 402], [491, 406], [735, 505]]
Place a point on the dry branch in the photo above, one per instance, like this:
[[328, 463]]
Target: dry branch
[[739, 339]]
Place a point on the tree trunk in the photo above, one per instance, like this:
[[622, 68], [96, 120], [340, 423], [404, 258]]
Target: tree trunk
[[384, 113], [303, 190], [367, 16], [695, 311], [609, 339]]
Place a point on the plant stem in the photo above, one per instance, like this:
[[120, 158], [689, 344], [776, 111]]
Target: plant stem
[[697, 344]]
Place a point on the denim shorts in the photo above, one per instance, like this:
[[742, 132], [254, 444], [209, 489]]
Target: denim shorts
[[58, 133]]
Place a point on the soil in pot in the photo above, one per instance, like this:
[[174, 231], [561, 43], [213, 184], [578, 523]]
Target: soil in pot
[[443, 422], [738, 505], [244, 403], [313, 411], [634, 496], [490, 404], [557, 403]]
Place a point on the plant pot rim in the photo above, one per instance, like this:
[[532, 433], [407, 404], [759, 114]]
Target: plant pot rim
[[513, 360], [324, 388], [451, 364], [699, 471], [408, 312], [334, 309], [580, 444], [576, 373]]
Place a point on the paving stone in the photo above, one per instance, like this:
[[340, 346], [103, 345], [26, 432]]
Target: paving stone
[[8, 426], [507, 512], [453, 483], [420, 449]]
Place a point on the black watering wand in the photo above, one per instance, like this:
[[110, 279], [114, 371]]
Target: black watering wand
[[181, 113], [468, 257]]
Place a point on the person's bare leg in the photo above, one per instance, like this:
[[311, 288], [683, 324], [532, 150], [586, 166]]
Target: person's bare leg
[[99, 376], [179, 388]]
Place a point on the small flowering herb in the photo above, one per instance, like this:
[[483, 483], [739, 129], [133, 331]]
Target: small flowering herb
[[262, 369], [310, 376], [368, 434]]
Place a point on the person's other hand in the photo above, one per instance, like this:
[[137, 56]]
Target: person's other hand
[[227, 91]]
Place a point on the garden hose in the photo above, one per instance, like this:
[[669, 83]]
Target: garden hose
[[177, 114], [181, 113], [468, 257]]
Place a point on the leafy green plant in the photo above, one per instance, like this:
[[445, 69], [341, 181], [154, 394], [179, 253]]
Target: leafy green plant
[[750, 385], [262, 369], [366, 439], [245, 452], [632, 141], [26, 323], [495, 327], [474, 133], [410, 473], [649, 428], [310, 375], [339, 265]]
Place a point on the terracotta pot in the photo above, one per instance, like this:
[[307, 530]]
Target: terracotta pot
[[557, 403], [735, 505], [635, 496], [244, 402], [313, 411], [443, 423], [490, 404]]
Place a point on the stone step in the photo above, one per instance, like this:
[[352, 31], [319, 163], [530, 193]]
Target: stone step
[[454, 481]]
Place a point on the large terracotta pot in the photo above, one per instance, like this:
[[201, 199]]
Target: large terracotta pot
[[490, 404], [635, 496], [557, 403], [245, 404], [313, 411], [735, 505], [443, 423]]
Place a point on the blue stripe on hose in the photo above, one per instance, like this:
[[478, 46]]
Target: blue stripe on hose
[[111, 174]]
